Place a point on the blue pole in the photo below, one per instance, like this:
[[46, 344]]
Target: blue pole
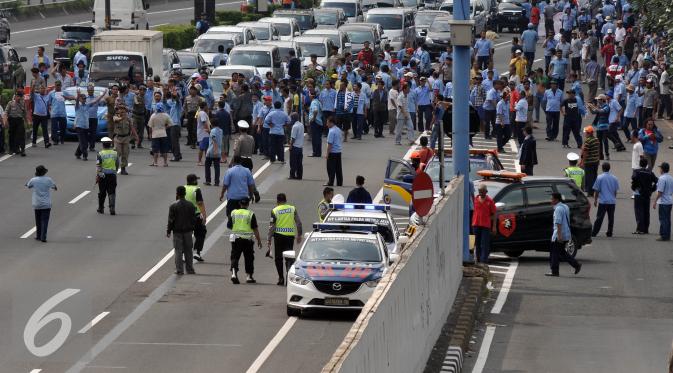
[[461, 126]]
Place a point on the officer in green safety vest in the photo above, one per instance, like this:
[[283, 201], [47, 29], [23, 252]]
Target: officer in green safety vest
[[107, 164], [284, 227], [573, 171], [243, 225], [196, 198], [323, 205]]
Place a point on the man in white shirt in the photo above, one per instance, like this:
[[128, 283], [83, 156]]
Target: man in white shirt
[[392, 107], [296, 148], [637, 152], [665, 94], [620, 33]]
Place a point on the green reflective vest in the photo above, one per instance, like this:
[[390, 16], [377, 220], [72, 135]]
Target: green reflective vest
[[191, 196], [285, 220], [108, 160], [241, 223], [576, 174]]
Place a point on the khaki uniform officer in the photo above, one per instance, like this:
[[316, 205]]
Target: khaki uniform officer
[[122, 130]]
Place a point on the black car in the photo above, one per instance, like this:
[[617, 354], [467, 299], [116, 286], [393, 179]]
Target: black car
[[510, 16], [524, 217], [70, 36], [438, 36]]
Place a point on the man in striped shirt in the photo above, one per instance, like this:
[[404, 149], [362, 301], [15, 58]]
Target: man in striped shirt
[[590, 158]]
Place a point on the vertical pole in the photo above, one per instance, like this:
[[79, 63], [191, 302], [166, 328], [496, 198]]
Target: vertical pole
[[108, 14], [461, 126], [440, 149]]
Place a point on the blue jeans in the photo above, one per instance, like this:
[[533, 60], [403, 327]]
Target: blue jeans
[[665, 221], [316, 139], [42, 222], [435, 135], [482, 243], [58, 125], [358, 124]]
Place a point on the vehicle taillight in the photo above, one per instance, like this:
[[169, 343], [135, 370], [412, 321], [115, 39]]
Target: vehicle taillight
[[60, 42]]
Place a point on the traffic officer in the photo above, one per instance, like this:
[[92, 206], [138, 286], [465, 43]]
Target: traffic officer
[[196, 198], [323, 205], [122, 130], [107, 164], [237, 183], [572, 171], [285, 225], [243, 225]]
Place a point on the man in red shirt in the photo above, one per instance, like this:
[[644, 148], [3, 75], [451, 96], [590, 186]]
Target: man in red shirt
[[482, 224], [608, 51], [535, 16], [366, 55]]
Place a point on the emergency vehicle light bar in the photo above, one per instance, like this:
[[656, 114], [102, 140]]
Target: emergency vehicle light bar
[[340, 227], [507, 175], [358, 206]]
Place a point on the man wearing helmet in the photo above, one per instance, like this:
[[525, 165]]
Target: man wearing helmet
[[107, 164]]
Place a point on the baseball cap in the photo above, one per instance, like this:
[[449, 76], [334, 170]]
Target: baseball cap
[[588, 129]]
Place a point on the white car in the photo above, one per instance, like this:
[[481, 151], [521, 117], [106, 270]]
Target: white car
[[338, 37], [319, 45], [338, 267], [379, 215], [287, 28], [207, 45], [247, 33]]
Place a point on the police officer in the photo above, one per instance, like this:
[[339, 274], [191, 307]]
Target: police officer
[[196, 198], [107, 164], [323, 205], [122, 130], [243, 225], [285, 225], [573, 171]]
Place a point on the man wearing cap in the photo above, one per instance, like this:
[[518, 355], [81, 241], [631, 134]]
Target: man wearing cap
[[650, 99], [664, 200], [553, 97], [573, 171], [181, 220], [122, 131], [107, 164], [194, 195], [528, 152], [189, 108], [529, 40], [284, 226], [41, 186], [520, 64], [572, 119], [243, 225], [560, 237], [590, 158], [158, 126]]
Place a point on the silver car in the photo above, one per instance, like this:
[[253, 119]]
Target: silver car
[[338, 37], [398, 25]]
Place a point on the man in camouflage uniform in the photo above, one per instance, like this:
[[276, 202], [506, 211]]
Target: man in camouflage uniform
[[122, 130], [138, 112], [111, 102]]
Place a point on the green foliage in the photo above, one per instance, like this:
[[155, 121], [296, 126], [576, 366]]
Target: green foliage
[[230, 17], [655, 15], [178, 36], [6, 96]]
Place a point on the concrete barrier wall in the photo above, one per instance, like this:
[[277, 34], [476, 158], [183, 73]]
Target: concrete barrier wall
[[402, 320]]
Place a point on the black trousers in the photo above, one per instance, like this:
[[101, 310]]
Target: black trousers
[[296, 163], [107, 186], [245, 247], [58, 127], [40, 121], [41, 223], [572, 125], [600, 215], [174, 132], [503, 133], [489, 122], [334, 169], [199, 235], [641, 208], [281, 243], [93, 127], [557, 252], [552, 124], [590, 175], [232, 204], [277, 151], [17, 135], [316, 139], [191, 128], [380, 118], [518, 131]]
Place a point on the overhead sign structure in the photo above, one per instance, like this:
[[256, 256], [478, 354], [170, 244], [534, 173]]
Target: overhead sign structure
[[423, 194]]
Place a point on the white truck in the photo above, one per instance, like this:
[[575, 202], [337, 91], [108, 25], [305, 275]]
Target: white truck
[[121, 54], [124, 14]]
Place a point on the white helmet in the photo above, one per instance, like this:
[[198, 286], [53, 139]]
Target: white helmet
[[106, 139]]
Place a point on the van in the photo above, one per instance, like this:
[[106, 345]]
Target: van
[[479, 12], [352, 8], [319, 45], [264, 57], [398, 25], [247, 34], [338, 37], [124, 14], [263, 30], [287, 28], [207, 45], [304, 17]]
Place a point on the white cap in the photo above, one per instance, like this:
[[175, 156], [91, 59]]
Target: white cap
[[573, 156], [106, 139], [243, 124], [196, 75]]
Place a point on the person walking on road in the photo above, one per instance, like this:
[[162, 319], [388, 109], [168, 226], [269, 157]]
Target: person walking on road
[[296, 148], [323, 205], [528, 152], [158, 127], [664, 200], [243, 225], [359, 194], [605, 197], [483, 224], [195, 196], [107, 164], [214, 153], [590, 158], [237, 183], [285, 225], [573, 172], [42, 186], [560, 237], [122, 131], [643, 184], [181, 219], [334, 146], [650, 137], [15, 117]]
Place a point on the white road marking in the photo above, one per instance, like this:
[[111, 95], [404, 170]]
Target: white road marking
[[46, 28], [496, 266], [103, 367], [156, 267], [499, 272], [93, 322], [178, 344], [119, 171], [272, 345], [503, 43], [512, 145], [36, 371], [160, 24], [8, 156], [484, 350], [30, 232], [80, 196], [506, 285]]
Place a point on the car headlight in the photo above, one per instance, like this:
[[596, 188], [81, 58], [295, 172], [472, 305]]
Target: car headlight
[[296, 279], [373, 283], [428, 40]]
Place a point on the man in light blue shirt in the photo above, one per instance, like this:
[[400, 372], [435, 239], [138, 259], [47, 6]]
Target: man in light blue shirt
[[502, 123], [529, 43], [489, 106], [93, 115], [41, 115], [560, 236], [327, 99], [57, 113], [605, 197], [334, 142], [296, 148], [277, 120], [558, 68], [553, 97], [483, 49], [41, 186], [631, 110], [424, 102], [237, 183], [487, 82], [315, 120], [664, 201]]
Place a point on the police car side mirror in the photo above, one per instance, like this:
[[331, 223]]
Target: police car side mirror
[[393, 258], [408, 178], [500, 205], [402, 240], [289, 254]]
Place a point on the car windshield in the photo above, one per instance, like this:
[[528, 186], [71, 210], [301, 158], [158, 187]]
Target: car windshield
[[284, 29], [341, 249], [113, 65], [359, 37], [211, 45], [250, 58], [262, 33], [72, 91], [433, 169], [304, 20], [76, 35], [449, 8], [387, 21], [334, 38], [410, 3], [424, 19], [326, 18], [383, 224], [284, 53], [308, 49], [188, 61], [348, 8], [440, 25]]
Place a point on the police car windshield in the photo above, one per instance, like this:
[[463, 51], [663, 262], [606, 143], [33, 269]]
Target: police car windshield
[[341, 249], [383, 225], [432, 169]]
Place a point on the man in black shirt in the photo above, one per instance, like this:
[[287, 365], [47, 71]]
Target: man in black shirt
[[294, 67], [643, 183], [359, 194], [181, 220], [572, 120]]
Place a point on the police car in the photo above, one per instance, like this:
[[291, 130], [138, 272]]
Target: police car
[[524, 214], [379, 215], [338, 267]]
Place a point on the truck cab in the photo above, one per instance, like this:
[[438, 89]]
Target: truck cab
[[119, 54], [124, 14]]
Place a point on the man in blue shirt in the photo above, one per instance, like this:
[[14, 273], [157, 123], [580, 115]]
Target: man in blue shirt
[[615, 122], [237, 183], [424, 102], [57, 113], [93, 115], [483, 49], [277, 120], [558, 68], [553, 97], [41, 115], [327, 99], [492, 98], [315, 120], [664, 200], [529, 43], [605, 197], [560, 237], [334, 146], [502, 126]]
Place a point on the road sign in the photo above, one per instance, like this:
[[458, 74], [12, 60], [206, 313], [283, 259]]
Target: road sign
[[423, 193]]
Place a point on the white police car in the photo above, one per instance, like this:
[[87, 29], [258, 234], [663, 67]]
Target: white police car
[[379, 215], [337, 267]]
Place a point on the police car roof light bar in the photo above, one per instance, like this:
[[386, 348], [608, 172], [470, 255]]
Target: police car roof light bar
[[359, 206], [340, 227]]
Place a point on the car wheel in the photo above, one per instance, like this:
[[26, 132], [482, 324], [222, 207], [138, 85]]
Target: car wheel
[[572, 246], [514, 253], [293, 312]]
